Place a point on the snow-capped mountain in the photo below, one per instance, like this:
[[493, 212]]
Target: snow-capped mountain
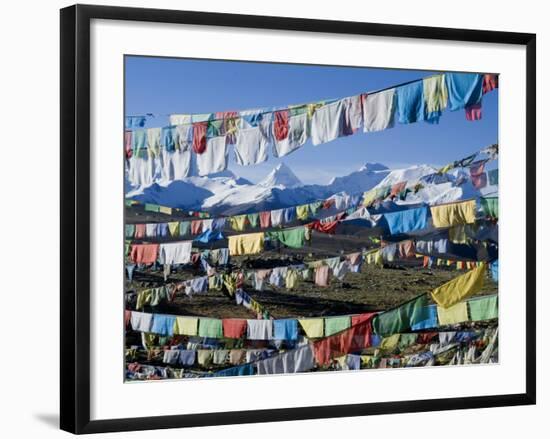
[[227, 194], [281, 176]]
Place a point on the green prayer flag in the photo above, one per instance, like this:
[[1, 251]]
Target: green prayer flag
[[490, 206], [336, 324], [253, 219], [406, 340], [151, 207], [185, 228], [129, 230], [210, 328], [291, 238], [483, 308], [215, 128], [401, 319]]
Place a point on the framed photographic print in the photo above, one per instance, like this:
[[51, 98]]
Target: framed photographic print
[[268, 218]]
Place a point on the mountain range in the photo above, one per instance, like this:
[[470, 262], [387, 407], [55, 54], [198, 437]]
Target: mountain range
[[225, 193]]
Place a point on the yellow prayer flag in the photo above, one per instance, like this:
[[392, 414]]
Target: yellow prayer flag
[[447, 215], [238, 222], [314, 328], [174, 228], [460, 287], [455, 314], [390, 343], [186, 325], [249, 244], [302, 212]]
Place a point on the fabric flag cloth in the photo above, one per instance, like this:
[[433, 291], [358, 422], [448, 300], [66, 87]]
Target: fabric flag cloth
[[457, 313], [293, 238], [259, 330], [483, 308], [296, 360], [277, 217], [238, 222], [302, 211], [162, 324], [214, 158], [291, 279], [410, 103], [313, 328], [185, 228], [244, 370], [186, 325], [336, 324], [327, 123], [289, 215], [405, 221], [390, 343], [378, 110], [446, 215], [490, 82], [174, 228], [460, 287], [209, 236], [352, 115], [489, 205], [199, 137], [478, 175], [401, 319], [355, 338], [237, 356], [141, 321], [251, 147], [298, 134], [210, 328], [464, 89], [129, 230], [253, 219], [175, 252], [397, 188], [325, 227], [473, 112], [360, 318], [265, 220], [205, 357], [322, 276], [251, 243], [141, 231], [435, 95], [285, 329], [234, 328], [280, 125], [134, 121], [144, 253], [196, 227]]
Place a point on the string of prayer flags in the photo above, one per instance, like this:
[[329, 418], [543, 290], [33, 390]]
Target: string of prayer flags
[[198, 144]]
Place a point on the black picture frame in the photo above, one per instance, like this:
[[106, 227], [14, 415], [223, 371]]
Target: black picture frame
[[75, 217]]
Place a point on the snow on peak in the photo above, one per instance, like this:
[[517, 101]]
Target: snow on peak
[[372, 167], [281, 176], [411, 175]]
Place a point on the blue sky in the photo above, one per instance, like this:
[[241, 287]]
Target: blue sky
[[169, 85]]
